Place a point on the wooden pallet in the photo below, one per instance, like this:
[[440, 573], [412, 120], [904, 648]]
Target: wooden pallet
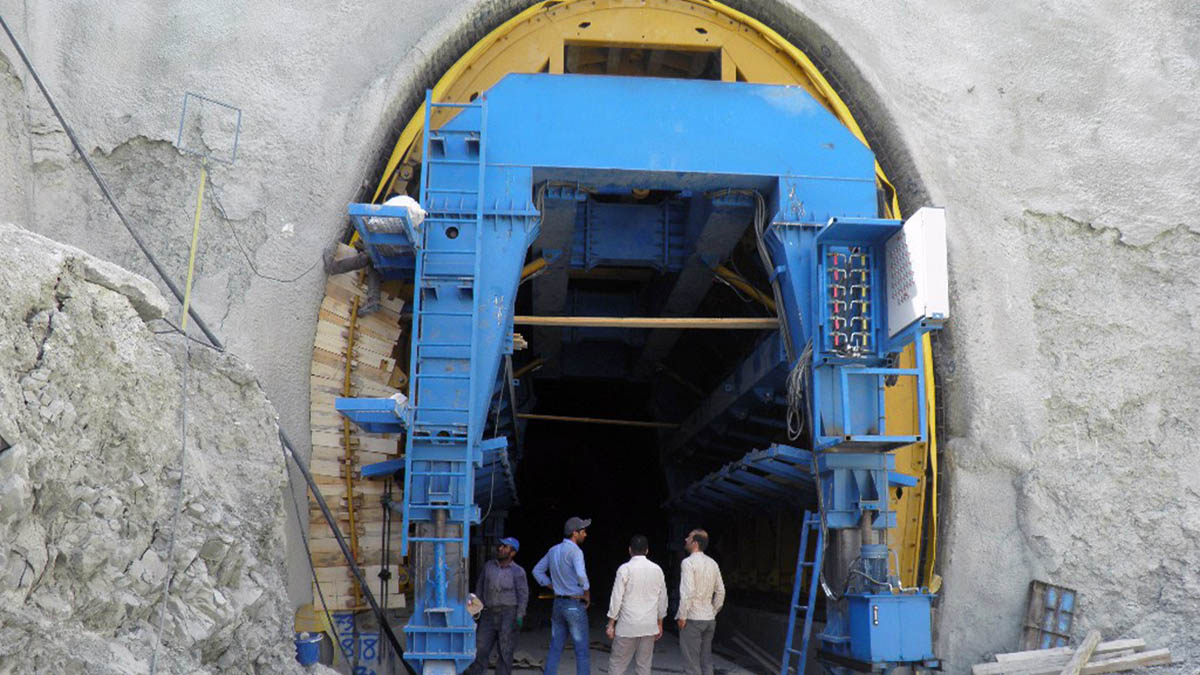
[[372, 367]]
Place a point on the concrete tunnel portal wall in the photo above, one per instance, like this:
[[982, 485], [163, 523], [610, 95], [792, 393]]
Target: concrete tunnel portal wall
[[666, 38], [1060, 137]]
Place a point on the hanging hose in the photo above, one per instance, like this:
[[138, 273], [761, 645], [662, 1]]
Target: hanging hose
[[290, 453]]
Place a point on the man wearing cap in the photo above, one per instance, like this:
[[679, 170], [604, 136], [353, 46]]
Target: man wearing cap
[[505, 594], [562, 569]]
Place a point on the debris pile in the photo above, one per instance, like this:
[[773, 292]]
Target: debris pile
[[90, 405]]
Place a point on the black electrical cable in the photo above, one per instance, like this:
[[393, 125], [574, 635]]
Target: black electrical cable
[[107, 193], [312, 568], [337, 534]]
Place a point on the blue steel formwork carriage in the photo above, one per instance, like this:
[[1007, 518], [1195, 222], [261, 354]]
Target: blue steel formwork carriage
[[496, 170]]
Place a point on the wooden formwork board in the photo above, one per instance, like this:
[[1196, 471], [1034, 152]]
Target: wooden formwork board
[[339, 581], [371, 368]]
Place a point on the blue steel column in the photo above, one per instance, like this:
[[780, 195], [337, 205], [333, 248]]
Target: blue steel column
[[845, 391], [473, 242]]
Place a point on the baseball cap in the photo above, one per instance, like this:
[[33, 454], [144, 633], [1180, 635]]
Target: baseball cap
[[511, 541], [575, 523]]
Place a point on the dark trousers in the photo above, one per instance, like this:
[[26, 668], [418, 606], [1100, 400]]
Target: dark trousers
[[497, 627]]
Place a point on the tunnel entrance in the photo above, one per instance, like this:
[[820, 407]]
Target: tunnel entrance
[[708, 406]]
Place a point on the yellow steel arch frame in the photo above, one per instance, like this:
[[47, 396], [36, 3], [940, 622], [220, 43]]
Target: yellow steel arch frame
[[535, 40]]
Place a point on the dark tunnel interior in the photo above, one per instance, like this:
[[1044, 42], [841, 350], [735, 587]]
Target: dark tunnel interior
[[621, 477]]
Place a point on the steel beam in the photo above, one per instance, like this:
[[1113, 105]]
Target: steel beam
[[726, 220], [550, 288]]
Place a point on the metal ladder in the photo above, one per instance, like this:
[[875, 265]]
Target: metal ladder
[[439, 492], [795, 660]]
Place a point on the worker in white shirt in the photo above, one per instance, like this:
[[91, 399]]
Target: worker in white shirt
[[701, 595], [636, 610]]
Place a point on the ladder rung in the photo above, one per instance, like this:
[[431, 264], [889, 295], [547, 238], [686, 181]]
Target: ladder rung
[[802, 608]]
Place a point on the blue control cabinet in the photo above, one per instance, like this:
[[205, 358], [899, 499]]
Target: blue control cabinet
[[890, 628]]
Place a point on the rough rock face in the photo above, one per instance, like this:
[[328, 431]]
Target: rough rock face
[[90, 404]]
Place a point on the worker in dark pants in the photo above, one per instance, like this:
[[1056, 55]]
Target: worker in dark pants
[[562, 569], [701, 595], [504, 591]]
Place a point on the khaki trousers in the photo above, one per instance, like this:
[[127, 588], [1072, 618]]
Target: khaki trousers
[[626, 649], [695, 641]]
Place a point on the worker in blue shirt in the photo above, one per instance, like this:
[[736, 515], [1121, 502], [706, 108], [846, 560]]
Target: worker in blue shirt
[[562, 569]]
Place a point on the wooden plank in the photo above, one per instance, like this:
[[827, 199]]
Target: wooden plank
[[385, 326], [379, 327], [1082, 655], [335, 344], [1136, 644], [1049, 664], [710, 323], [1154, 657], [369, 488], [333, 338], [345, 286], [330, 555], [334, 388], [332, 438], [337, 359], [330, 376], [339, 603]]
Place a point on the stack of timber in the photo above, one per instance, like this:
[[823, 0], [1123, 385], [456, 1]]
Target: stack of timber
[[352, 356], [1092, 656]]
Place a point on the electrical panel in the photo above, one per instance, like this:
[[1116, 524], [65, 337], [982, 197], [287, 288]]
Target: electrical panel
[[917, 286]]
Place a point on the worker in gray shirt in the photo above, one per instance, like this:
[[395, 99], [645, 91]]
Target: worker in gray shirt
[[504, 591]]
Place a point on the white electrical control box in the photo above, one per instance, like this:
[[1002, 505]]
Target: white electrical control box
[[917, 287]]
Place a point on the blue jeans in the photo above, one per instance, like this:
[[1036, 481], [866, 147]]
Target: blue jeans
[[570, 616]]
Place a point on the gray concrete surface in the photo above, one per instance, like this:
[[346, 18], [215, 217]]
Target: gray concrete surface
[[1062, 138]]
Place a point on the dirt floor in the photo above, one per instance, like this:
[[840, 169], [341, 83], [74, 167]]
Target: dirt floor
[[667, 659]]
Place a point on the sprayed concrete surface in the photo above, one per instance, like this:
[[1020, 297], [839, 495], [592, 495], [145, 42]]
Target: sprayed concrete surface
[[1062, 138]]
